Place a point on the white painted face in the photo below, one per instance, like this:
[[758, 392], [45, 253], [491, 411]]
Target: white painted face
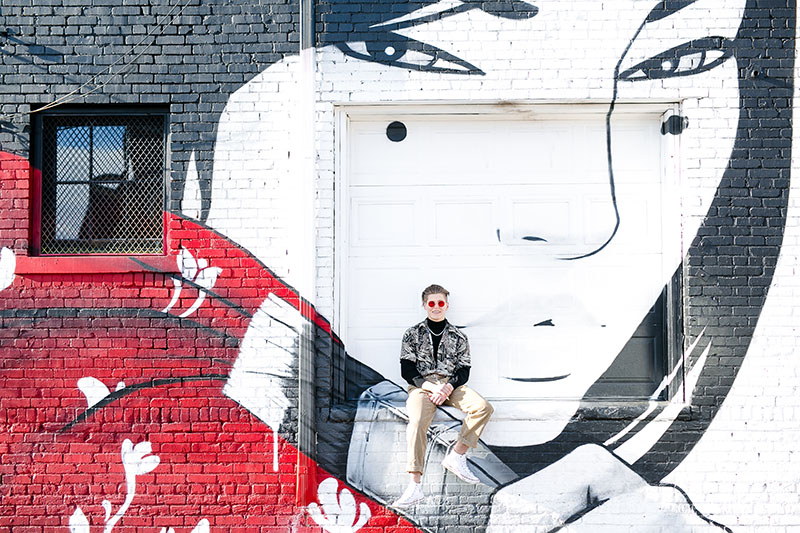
[[595, 282]]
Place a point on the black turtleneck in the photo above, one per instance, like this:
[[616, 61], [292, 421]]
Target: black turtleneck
[[437, 328], [408, 369]]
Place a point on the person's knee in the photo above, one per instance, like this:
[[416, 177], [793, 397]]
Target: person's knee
[[414, 409]]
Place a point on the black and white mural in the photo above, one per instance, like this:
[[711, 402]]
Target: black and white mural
[[720, 223], [603, 187]]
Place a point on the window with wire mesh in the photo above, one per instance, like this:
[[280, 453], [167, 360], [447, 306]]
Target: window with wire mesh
[[103, 182]]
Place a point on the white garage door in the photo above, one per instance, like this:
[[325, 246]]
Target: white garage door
[[500, 208]]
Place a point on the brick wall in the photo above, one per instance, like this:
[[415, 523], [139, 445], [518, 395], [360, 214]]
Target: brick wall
[[208, 389]]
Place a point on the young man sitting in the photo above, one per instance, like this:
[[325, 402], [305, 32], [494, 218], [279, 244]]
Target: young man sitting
[[435, 361]]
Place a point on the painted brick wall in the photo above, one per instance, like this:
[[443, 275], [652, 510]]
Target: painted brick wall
[[208, 389]]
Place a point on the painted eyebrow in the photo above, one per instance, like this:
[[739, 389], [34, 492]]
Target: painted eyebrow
[[665, 8], [520, 10]]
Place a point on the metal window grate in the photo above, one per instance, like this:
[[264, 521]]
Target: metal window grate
[[103, 180]]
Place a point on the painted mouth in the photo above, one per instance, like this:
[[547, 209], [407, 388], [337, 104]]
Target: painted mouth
[[539, 380]]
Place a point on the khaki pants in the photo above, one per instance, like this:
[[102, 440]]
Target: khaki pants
[[420, 414]]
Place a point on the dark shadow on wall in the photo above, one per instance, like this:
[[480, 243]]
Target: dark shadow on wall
[[731, 261]]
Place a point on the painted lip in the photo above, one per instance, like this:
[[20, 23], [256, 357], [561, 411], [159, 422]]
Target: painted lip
[[539, 379]]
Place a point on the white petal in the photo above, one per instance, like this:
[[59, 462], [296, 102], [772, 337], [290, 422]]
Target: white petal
[[143, 448], [127, 447], [175, 295], [347, 508], [8, 264], [147, 465], [197, 303], [326, 494], [201, 527], [187, 264], [208, 277], [93, 389], [364, 517], [78, 522], [317, 515]]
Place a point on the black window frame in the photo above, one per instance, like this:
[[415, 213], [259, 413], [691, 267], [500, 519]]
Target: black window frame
[[43, 191]]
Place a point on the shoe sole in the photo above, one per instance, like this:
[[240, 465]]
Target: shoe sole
[[408, 504], [459, 476]]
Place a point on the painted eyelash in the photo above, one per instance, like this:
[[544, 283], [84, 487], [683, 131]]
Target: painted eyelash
[[399, 51], [687, 59], [390, 48]]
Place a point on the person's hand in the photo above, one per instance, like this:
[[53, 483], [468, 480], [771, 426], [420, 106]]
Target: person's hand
[[437, 398], [437, 393]]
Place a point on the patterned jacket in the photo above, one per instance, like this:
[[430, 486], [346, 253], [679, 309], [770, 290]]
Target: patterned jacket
[[453, 350]]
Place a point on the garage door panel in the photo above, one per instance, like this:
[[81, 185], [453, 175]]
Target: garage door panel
[[559, 215], [548, 220], [379, 222], [465, 223], [461, 202], [640, 223], [474, 290], [641, 145], [460, 152], [599, 221], [532, 357], [371, 288]]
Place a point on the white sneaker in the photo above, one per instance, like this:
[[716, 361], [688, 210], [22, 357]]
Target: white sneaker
[[457, 464], [411, 496]]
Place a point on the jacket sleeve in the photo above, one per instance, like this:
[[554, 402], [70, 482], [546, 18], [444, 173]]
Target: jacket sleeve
[[462, 353], [408, 369], [460, 377], [408, 350]]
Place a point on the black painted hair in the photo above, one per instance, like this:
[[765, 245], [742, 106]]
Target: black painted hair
[[746, 221]]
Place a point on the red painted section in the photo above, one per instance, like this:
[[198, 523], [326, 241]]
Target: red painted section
[[15, 184], [63, 321], [92, 265], [214, 463]]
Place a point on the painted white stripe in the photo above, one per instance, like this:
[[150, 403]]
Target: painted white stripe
[[653, 403], [645, 439]]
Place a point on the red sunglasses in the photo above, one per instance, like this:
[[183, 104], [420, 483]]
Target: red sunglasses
[[441, 303]]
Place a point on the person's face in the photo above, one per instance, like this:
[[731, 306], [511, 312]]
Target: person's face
[[436, 306], [554, 255]]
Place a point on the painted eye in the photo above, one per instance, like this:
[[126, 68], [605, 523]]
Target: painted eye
[[398, 51], [684, 60]]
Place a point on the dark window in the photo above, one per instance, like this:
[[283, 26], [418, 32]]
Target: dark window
[[103, 181], [652, 352]]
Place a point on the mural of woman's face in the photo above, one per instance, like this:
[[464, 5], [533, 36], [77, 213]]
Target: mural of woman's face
[[643, 196]]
